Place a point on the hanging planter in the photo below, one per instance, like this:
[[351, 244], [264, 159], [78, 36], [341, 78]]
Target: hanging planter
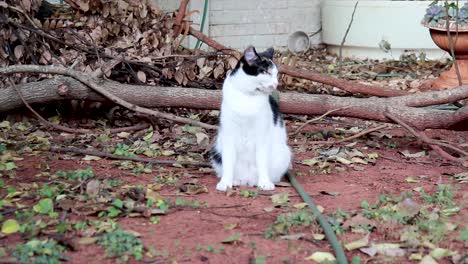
[[436, 21]]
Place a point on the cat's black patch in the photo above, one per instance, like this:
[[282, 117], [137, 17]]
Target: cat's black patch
[[277, 118], [216, 156], [262, 63], [259, 66]]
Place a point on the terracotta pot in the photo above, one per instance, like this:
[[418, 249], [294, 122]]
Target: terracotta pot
[[449, 79]]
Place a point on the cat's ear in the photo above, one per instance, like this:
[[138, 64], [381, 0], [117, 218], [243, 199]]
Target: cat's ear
[[250, 55], [269, 53]]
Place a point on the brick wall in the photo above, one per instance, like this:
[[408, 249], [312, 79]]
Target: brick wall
[[263, 23]]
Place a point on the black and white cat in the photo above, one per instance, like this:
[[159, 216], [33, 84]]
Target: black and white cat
[[251, 147]]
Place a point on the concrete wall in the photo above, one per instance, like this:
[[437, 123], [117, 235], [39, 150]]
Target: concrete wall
[[262, 23]]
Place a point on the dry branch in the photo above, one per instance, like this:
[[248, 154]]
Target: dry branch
[[99, 89], [65, 88], [352, 87], [116, 157]]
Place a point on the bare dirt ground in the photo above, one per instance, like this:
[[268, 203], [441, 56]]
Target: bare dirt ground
[[194, 234]]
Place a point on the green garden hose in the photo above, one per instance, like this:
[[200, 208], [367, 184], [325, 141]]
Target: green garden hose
[[202, 25], [336, 245]]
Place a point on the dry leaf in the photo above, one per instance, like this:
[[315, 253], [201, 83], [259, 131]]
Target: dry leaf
[[358, 220], [179, 77], [141, 76], [19, 50]]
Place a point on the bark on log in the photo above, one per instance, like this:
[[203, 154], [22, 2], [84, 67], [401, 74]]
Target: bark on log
[[407, 108]]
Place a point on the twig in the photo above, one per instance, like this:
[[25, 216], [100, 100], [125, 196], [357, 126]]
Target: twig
[[93, 85], [317, 118], [403, 160], [450, 41], [360, 134], [24, 14], [238, 215], [420, 135], [344, 38], [129, 128], [116, 157], [213, 43]]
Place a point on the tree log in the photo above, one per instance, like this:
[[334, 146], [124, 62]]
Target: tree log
[[407, 108]]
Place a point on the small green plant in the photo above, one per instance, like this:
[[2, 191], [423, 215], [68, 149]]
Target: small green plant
[[76, 175], [140, 168], [121, 244], [155, 220], [436, 14], [186, 203], [113, 183], [285, 222], [113, 210], [163, 204], [443, 196], [210, 248], [39, 252], [123, 150], [80, 225], [167, 180], [6, 159], [248, 193]]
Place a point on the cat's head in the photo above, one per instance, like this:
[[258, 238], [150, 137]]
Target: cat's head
[[259, 71]]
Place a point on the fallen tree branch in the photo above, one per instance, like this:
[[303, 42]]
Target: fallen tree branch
[[315, 119], [68, 129], [352, 87], [65, 88], [432, 143], [93, 85], [43, 120], [73, 130], [357, 135], [116, 157]]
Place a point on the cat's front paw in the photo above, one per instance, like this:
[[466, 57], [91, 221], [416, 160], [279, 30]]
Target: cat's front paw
[[266, 185], [223, 186]]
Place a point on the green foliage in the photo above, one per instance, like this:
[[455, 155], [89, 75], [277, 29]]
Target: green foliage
[[76, 175], [39, 252], [163, 204], [422, 224], [443, 196], [44, 206], [437, 14], [248, 193], [119, 243], [464, 234], [186, 203], [285, 222], [123, 150], [6, 159], [167, 180]]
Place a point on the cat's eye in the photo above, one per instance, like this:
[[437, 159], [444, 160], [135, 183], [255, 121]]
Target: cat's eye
[[263, 71]]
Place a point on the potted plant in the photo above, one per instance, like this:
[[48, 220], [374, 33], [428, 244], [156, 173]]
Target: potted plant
[[438, 18]]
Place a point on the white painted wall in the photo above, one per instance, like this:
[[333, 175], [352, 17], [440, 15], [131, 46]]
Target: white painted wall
[[396, 22]]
